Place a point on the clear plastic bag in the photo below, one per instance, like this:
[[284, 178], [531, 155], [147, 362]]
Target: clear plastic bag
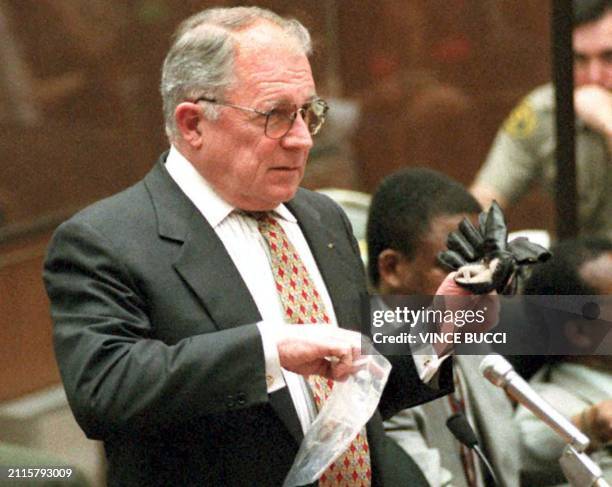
[[349, 407]]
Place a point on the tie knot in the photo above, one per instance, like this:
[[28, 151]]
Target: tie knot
[[263, 218], [259, 215], [255, 215]]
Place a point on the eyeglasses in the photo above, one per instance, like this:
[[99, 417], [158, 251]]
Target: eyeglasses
[[279, 120]]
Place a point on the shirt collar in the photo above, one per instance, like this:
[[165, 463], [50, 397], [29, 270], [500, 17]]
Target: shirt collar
[[212, 206]]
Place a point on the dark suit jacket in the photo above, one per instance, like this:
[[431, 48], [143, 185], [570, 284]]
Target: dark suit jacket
[[155, 336]]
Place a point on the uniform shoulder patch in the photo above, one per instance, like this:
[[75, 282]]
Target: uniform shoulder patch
[[522, 121]]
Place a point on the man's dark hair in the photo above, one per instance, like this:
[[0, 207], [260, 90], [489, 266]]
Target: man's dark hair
[[403, 207], [561, 274], [586, 11]]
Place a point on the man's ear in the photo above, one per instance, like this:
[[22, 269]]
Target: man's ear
[[189, 121], [391, 269], [577, 334]]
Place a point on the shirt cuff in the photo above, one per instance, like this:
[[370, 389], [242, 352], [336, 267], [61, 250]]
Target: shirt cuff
[[427, 362], [274, 374]]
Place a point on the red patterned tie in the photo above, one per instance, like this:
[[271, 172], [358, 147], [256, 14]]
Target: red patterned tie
[[303, 304]]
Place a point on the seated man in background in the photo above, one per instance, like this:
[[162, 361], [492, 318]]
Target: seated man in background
[[411, 215], [579, 386], [524, 150]]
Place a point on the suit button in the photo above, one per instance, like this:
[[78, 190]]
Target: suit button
[[230, 402], [241, 399]]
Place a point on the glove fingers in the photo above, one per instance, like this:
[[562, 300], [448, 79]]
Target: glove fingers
[[495, 230], [494, 261], [451, 259], [482, 222], [457, 242], [526, 252], [472, 235]]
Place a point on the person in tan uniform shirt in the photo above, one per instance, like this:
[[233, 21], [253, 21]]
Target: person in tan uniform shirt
[[524, 149]]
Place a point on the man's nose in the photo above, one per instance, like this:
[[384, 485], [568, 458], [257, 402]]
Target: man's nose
[[298, 136], [595, 72]]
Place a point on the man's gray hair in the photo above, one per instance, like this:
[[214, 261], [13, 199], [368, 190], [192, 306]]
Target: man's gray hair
[[201, 59]]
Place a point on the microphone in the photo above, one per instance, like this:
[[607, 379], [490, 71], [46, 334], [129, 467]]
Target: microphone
[[461, 429], [500, 372]]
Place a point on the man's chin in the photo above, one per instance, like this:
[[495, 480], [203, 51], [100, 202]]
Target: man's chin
[[285, 190], [287, 195], [270, 201]]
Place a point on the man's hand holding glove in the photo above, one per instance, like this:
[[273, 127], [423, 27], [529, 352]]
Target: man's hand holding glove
[[483, 257]]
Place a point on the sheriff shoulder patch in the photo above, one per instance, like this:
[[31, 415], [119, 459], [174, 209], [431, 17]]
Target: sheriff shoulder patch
[[522, 121]]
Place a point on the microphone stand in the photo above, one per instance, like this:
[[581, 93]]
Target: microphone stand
[[577, 466], [580, 470]]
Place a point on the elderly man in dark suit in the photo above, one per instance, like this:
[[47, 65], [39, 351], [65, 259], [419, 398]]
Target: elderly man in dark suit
[[176, 302]]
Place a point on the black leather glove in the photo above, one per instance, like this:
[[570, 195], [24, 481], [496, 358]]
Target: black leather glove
[[483, 257]]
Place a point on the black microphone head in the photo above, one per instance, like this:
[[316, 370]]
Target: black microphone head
[[461, 429]]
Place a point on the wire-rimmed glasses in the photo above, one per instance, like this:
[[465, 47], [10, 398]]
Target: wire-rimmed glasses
[[280, 119]]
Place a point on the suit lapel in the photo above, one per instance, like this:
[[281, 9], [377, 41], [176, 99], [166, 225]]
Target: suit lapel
[[202, 261], [209, 271]]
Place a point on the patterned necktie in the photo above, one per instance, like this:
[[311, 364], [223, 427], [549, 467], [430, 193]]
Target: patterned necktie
[[457, 404], [303, 304]]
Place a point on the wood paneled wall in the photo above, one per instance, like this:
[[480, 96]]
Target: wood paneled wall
[[27, 362]]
